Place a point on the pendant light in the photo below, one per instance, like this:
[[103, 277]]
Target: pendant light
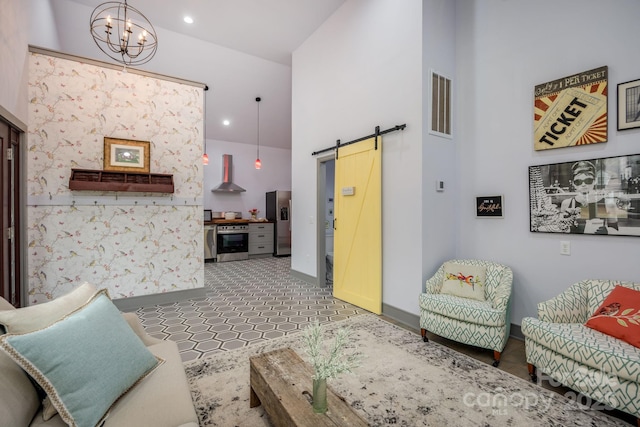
[[258, 162], [205, 158]]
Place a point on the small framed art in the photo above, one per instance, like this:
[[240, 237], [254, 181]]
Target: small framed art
[[629, 105], [125, 155], [489, 207]]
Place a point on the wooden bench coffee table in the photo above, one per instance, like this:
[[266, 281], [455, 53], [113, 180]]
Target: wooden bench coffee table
[[282, 382]]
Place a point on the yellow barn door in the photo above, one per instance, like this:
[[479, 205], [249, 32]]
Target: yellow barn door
[[357, 252]]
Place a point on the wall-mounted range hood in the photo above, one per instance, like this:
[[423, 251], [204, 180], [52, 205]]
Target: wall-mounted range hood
[[227, 185]]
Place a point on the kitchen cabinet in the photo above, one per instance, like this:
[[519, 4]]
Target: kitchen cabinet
[[260, 238]]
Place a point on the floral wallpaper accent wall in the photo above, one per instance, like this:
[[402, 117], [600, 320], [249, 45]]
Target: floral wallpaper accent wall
[[134, 244]]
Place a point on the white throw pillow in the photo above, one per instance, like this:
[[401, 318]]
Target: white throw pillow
[[462, 280], [34, 317], [19, 400]]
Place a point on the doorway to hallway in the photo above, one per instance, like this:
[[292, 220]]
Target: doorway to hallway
[[325, 215]]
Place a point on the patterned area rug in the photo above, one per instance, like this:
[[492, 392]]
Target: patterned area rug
[[402, 381]]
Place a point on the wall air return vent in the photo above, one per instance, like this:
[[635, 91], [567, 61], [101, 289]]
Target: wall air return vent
[[440, 120]]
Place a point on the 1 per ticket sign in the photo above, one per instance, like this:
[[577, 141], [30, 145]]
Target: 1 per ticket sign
[[571, 111]]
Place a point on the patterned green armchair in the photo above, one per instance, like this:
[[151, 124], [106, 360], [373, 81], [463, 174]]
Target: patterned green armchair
[[599, 366], [484, 324]]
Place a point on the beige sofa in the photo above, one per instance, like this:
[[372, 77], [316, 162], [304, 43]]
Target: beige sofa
[[161, 399]]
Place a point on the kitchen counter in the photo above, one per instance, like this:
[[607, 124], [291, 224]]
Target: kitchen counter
[[229, 221], [222, 221]]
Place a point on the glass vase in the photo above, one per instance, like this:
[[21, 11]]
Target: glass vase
[[320, 396]]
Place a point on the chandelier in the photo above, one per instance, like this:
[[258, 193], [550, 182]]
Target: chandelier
[[123, 33]]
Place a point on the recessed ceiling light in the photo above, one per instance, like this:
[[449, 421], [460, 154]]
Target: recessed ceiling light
[[226, 122], [188, 20]]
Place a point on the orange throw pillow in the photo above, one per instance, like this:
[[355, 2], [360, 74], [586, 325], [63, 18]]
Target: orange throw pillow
[[619, 315]]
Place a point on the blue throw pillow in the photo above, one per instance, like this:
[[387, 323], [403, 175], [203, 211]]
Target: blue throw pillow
[[85, 362]]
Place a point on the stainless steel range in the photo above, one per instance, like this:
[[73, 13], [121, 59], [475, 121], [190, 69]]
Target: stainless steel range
[[232, 242]]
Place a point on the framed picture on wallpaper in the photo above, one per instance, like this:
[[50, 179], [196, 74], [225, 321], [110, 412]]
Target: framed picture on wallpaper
[[629, 105], [594, 196], [571, 111], [126, 155]]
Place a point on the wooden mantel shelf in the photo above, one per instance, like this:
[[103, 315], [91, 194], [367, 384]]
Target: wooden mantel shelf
[[100, 180]]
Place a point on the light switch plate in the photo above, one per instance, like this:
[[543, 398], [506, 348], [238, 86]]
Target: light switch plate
[[348, 191], [439, 185], [565, 247]]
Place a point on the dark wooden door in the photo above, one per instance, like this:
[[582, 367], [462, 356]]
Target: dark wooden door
[[10, 288]]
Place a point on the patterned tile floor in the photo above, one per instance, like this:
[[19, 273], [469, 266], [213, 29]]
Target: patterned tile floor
[[247, 301]]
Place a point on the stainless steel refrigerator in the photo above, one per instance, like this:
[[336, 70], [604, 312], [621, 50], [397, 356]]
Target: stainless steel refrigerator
[[279, 211]]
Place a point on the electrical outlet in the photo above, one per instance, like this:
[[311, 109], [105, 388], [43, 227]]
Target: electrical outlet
[[565, 247]]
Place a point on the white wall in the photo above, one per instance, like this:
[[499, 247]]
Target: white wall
[[504, 49], [13, 51], [42, 29], [275, 174], [360, 69], [440, 210]]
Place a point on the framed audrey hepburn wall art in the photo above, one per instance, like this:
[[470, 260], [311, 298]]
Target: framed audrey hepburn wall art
[[595, 196]]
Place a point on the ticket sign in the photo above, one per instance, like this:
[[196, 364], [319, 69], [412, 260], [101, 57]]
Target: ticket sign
[[571, 111]]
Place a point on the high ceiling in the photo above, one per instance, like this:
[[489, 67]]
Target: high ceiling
[[270, 29], [267, 29]]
